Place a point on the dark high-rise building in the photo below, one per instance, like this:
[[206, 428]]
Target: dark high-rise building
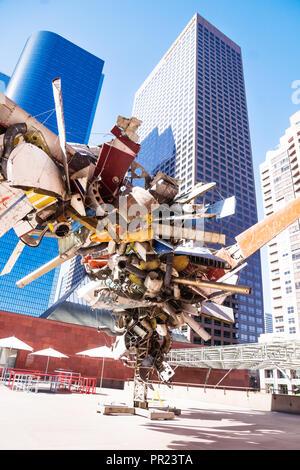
[[46, 56], [195, 127]]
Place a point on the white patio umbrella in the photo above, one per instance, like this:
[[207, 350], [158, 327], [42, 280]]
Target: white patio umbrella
[[14, 343], [49, 352], [102, 351]]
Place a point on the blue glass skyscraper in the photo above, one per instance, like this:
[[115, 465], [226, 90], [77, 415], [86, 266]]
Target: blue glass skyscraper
[[195, 127], [46, 56], [4, 80]]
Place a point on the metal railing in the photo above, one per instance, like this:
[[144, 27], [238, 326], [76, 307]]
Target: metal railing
[[32, 380], [189, 385]]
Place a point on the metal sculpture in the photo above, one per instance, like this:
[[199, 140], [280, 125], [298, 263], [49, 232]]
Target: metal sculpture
[[144, 247]]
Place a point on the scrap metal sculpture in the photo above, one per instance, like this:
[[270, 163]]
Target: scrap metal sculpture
[[145, 248]]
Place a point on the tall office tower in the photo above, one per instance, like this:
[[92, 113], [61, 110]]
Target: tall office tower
[[195, 127], [4, 79], [268, 323], [280, 181], [71, 273], [46, 56]]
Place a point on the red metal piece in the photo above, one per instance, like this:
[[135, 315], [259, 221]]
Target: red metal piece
[[97, 263], [135, 148], [112, 165], [214, 274]]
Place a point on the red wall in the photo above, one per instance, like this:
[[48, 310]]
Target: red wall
[[69, 339]]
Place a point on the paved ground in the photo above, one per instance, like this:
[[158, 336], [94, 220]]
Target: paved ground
[[70, 421]]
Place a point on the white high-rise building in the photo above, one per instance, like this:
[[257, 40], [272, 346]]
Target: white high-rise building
[[280, 180]]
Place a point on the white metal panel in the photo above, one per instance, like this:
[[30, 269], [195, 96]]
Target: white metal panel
[[13, 207], [29, 167]]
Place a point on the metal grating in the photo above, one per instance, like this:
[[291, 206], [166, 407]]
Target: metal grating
[[283, 354]]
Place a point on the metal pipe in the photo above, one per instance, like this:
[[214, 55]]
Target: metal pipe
[[227, 373], [196, 327], [45, 269], [215, 285]]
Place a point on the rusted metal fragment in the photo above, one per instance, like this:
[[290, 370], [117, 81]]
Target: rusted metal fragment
[[255, 237]]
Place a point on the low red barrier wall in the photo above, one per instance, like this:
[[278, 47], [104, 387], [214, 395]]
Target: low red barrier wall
[[69, 339]]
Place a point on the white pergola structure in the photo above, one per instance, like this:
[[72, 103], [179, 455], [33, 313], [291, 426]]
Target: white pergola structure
[[279, 354]]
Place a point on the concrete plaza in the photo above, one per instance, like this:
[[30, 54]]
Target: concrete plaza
[[66, 421]]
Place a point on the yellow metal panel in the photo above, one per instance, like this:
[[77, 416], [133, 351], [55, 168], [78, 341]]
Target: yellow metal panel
[[39, 201]]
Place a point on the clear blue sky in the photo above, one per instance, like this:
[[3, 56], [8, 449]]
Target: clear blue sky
[[132, 36]]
